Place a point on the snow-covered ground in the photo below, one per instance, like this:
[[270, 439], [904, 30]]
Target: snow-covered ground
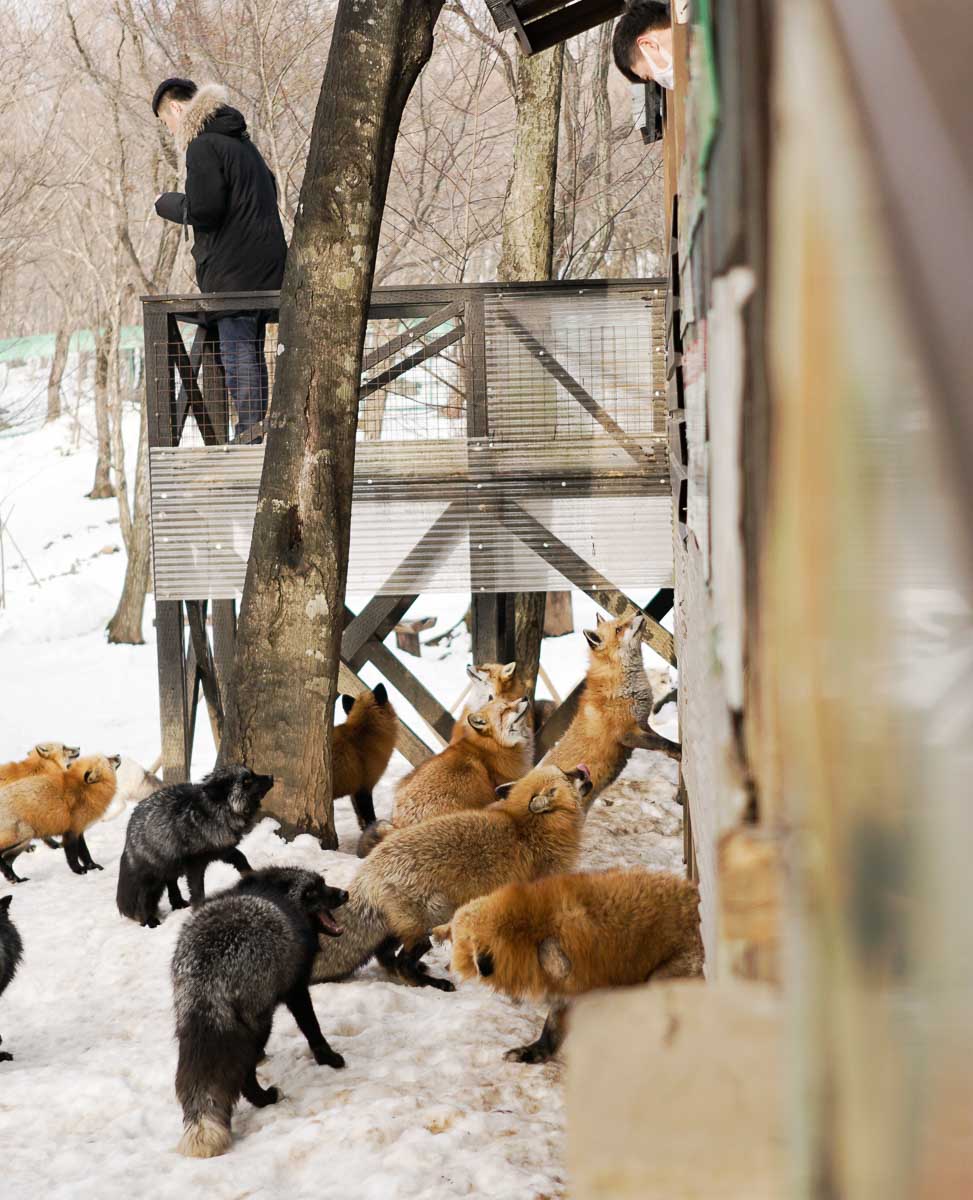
[[426, 1106]]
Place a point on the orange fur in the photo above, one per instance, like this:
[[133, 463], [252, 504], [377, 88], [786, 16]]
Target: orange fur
[[53, 806], [496, 747], [417, 877], [363, 745], [616, 701], [568, 934], [46, 758], [490, 681]]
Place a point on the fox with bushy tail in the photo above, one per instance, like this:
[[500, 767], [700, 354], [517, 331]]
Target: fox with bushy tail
[[244, 952]]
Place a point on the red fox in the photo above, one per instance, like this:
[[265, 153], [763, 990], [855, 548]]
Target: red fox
[[563, 935], [362, 748], [418, 877], [45, 758], [48, 806], [614, 708], [496, 748], [499, 681]]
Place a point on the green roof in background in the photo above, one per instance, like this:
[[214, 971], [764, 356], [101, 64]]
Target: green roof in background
[[41, 345]]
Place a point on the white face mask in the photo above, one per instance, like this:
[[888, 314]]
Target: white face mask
[[665, 76]]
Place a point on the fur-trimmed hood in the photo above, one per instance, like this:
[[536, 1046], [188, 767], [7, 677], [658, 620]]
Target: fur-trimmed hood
[[208, 101]]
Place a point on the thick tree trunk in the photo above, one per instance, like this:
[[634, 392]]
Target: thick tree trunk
[[126, 625], [527, 253], [102, 485], [58, 362], [281, 701]]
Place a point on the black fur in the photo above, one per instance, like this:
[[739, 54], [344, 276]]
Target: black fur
[[11, 952], [242, 953], [180, 831], [550, 1040]]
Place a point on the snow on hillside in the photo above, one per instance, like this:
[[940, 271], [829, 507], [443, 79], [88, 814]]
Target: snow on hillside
[[426, 1106]]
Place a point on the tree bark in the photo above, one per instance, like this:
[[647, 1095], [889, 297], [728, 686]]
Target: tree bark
[[61, 342], [281, 700], [125, 627], [527, 253], [102, 485]]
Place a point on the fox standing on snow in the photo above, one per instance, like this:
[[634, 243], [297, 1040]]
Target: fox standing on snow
[[243, 953], [180, 831], [417, 877], [564, 935], [231, 203], [51, 805], [361, 750]]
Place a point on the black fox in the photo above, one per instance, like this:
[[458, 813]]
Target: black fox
[[244, 952], [180, 831], [11, 950]]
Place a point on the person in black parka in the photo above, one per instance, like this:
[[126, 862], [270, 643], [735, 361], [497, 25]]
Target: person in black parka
[[231, 203]]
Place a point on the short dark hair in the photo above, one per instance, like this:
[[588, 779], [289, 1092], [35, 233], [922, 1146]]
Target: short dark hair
[[172, 89], [640, 16]]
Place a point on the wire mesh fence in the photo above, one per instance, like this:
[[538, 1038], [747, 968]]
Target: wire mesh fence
[[507, 440]]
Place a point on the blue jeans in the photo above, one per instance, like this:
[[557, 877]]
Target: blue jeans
[[245, 367]]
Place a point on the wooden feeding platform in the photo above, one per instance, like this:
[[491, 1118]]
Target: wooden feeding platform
[[510, 439]]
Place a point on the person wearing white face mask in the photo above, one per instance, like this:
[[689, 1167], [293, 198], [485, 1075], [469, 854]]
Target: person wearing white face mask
[[642, 43]]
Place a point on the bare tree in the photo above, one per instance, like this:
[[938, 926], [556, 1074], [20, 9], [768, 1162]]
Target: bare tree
[[281, 700]]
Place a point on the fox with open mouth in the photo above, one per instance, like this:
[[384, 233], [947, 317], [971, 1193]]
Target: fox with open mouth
[[241, 954]]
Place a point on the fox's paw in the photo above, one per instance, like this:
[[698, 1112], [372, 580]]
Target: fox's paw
[[526, 1054], [441, 985], [93, 866], [151, 923], [324, 1056], [266, 1097]]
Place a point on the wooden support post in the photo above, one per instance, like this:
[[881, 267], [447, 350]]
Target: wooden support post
[[224, 641], [493, 628], [173, 710], [205, 666]]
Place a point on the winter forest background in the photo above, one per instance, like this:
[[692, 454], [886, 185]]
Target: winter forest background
[[84, 160]]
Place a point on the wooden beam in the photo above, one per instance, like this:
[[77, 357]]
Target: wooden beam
[[400, 341], [569, 21], [173, 708], [365, 625], [583, 575], [591, 406], [402, 679], [413, 360], [205, 666]]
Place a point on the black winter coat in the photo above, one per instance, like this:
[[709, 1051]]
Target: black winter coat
[[231, 203]]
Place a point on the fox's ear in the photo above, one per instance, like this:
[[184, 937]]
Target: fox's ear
[[503, 790], [507, 671], [542, 803], [477, 722], [600, 620], [554, 962], [44, 749], [380, 694], [347, 703], [91, 775], [5, 903], [484, 962], [473, 672], [595, 640]]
